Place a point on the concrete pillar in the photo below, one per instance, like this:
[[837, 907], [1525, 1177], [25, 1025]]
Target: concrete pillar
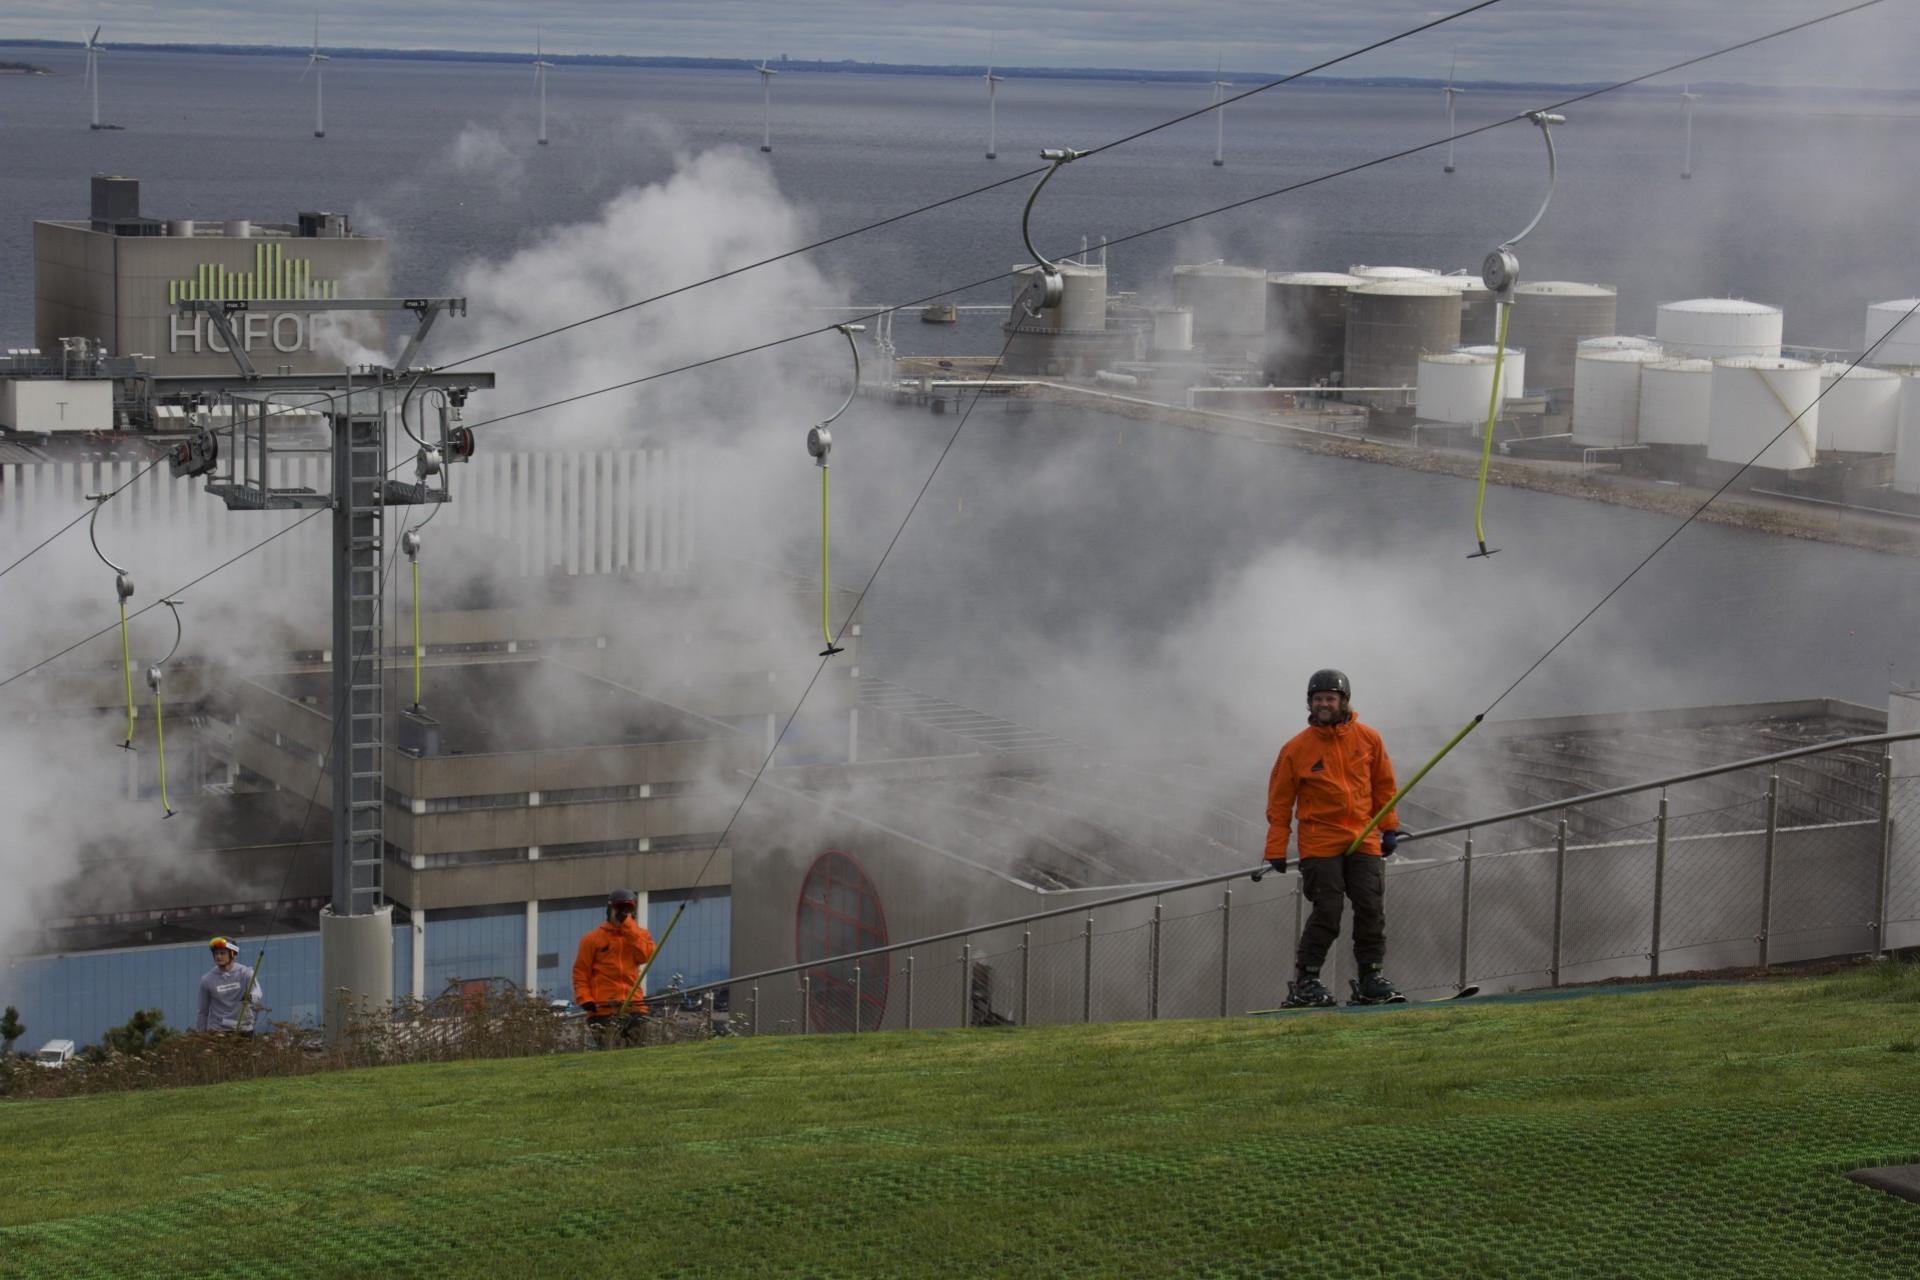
[[853, 734], [1903, 716], [418, 978], [356, 965], [533, 945]]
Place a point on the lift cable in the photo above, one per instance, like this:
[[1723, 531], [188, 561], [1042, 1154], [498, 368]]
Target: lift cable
[[1190, 218], [154, 676], [981, 190], [819, 445], [1355, 168], [82, 516], [123, 591]]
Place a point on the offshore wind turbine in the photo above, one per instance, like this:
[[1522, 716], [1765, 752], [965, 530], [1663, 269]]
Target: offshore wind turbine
[[766, 104], [92, 74], [314, 61], [540, 68], [992, 80], [1220, 88], [1687, 98], [1450, 89]]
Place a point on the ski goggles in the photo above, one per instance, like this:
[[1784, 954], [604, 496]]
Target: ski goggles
[[223, 944]]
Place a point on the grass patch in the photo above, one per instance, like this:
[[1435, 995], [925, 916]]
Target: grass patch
[[1694, 1132]]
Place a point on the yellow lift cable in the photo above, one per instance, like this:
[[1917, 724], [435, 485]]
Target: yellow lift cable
[[123, 589], [1414, 781], [155, 674], [819, 445], [410, 543], [1500, 272]]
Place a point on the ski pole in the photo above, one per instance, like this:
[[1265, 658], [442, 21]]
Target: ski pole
[[1414, 781]]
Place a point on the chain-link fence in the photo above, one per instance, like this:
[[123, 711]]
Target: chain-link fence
[[1796, 857]]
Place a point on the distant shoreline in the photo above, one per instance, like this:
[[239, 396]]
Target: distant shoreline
[[850, 66]]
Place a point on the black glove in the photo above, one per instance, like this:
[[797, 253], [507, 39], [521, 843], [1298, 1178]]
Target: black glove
[[1389, 841], [588, 1007], [1273, 864]]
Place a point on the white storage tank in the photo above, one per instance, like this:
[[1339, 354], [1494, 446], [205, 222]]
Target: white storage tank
[[1675, 399], [1173, 330], [1859, 409], [1453, 386], [1713, 328], [1753, 398], [1478, 319], [1513, 369], [1549, 319], [1906, 453], [1902, 350], [1227, 302], [1616, 342], [1366, 272], [1390, 325], [1606, 396]]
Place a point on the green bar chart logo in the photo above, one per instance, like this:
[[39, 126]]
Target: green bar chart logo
[[274, 275]]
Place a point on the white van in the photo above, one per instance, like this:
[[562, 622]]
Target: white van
[[55, 1053]]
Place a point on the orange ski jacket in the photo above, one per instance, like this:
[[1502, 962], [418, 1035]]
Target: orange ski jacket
[[608, 962], [1335, 779]]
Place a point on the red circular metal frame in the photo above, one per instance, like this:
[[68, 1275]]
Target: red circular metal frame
[[829, 923]]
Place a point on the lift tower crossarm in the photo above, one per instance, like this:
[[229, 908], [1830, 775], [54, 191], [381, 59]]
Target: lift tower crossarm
[[219, 310]]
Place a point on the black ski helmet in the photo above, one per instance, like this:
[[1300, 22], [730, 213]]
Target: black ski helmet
[[1327, 680], [622, 898]]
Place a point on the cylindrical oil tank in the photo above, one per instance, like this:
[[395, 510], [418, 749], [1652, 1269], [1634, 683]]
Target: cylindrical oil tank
[[1453, 386], [1715, 328], [1859, 408], [1083, 301], [1477, 321], [1616, 342], [180, 226], [1390, 324], [1227, 302], [1307, 326], [1606, 396], [1753, 398], [1675, 397], [237, 228], [1173, 330], [1906, 453], [1513, 369], [1366, 272], [1902, 349], [1549, 319]]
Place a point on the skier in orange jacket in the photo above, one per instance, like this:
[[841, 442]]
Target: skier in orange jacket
[[1334, 775], [609, 961]]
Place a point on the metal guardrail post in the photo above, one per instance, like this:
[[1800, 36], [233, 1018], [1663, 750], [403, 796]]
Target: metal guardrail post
[[1153, 964], [909, 990], [1466, 909], [1766, 869], [1559, 896], [856, 999], [1026, 974], [1226, 946], [806, 1003], [966, 983], [1659, 882], [1879, 922], [1086, 988]]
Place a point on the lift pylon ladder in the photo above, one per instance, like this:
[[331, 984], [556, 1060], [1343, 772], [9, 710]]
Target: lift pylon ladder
[[359, 667]]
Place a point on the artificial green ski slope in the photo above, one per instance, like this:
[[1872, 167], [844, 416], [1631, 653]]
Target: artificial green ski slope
[[1689, 1132]]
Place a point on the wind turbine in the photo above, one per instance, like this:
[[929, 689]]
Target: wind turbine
[[992, 80], [1220, 88], [314, 60], [92, 74], [1450, 90], [540, 68], [1687, 98], [766, 103]]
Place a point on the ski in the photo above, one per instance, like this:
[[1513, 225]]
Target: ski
[[1463, 993]]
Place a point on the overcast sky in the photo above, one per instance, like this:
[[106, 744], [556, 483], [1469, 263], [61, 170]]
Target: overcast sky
[[1556, 40]]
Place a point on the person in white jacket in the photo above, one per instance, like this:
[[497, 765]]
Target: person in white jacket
[[222, 990]]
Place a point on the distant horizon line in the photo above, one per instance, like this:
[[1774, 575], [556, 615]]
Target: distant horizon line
[[857, 66]]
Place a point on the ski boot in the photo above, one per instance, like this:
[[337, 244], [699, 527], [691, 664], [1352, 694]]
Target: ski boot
[[1372, 987], [1307, 992]]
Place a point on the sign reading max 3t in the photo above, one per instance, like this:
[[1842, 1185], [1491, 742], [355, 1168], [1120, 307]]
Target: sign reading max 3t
[[120, 278]]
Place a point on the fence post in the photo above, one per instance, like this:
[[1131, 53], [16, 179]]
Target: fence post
[[966, 983], [909, 990], [1466, 909], [1153, 963], [1026, 975], [1766, 870], [1226, 946], [806, 1003], [856, 999], [1086, 988], [753, 1005], [1559, 895], [1879, 924], [1659, 881]]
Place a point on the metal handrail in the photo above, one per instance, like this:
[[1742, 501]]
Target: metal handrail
[[1570, 802], [1176, 886]]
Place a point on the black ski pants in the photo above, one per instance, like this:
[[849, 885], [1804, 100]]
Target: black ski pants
[[1359, 878]]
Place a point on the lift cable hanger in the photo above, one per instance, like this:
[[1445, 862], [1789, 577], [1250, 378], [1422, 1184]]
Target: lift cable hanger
[[819, 445], [154, 674], [1500, 272], [123, 590], [1047, 290]]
